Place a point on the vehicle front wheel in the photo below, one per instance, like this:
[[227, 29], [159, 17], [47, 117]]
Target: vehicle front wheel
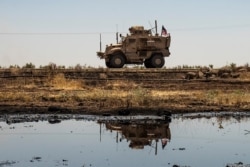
[[108, 64], [117, 61]]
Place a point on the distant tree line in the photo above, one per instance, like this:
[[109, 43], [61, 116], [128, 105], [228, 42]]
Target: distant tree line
[[52, 66]]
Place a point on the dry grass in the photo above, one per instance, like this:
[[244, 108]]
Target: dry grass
[[231, 98], [209, 97], [60, 82], [169, 93], [16, 97], [120, 94], [121, 85]]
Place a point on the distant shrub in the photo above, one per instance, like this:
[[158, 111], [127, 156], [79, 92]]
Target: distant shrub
[[15, 66], [78, 67], [211, 66], [233, 67], [29, 65]]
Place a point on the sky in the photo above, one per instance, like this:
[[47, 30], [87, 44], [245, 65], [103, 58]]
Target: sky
[[67, 32]]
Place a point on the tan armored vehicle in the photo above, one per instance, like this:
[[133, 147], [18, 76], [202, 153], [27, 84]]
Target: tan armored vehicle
[[138, 47]]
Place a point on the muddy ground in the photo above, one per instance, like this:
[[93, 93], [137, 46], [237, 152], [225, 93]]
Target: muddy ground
[[101, 93]]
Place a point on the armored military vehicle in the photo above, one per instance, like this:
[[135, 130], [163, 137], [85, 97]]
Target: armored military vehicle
[[138, 47]]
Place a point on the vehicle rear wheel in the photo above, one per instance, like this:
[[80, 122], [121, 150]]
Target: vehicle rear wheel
[[147, 63], [157, 61], [117, 61]]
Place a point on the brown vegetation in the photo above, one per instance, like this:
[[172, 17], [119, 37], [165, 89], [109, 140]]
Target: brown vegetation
[[77, 95]]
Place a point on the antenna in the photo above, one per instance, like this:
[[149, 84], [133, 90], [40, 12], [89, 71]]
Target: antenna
[[116, 33], [156, 27], [100, 42], [116, 37]]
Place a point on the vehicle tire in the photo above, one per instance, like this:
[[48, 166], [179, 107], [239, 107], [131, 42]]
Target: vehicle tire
[[147, 63], [157, 61], [108, 64], [117, 61]]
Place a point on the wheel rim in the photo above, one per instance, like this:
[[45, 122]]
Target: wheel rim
[[158, 62], [118, 61]]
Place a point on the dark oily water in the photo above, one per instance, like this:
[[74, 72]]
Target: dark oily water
[[197, 140]]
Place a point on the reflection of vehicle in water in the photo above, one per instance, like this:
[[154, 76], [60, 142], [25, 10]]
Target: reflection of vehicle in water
[[142, 133]]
